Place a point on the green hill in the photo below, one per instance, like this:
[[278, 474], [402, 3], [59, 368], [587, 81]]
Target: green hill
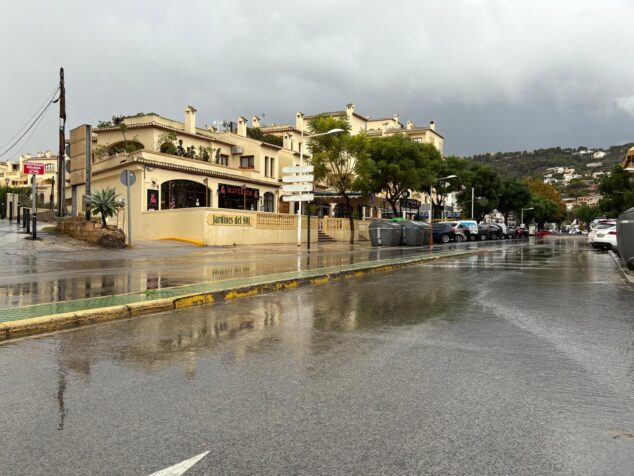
[[534, 163]]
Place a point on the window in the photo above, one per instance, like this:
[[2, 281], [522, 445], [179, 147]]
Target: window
[[269, 170], [246, 162], [223, 159], [418, 139], [49, 167], [268, 202]]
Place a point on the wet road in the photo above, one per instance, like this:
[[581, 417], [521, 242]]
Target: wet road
[[514, 362], [32, 275]]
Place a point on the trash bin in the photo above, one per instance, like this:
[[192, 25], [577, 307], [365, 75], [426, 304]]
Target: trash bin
[[384, 233], [415, 233], [625, 237]]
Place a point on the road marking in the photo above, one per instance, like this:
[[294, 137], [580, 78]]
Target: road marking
[[180, 468]]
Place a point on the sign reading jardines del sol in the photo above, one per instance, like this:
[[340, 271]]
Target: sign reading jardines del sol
[[230, 219]]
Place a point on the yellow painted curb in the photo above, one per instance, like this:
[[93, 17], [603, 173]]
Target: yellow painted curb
[[148, 307]]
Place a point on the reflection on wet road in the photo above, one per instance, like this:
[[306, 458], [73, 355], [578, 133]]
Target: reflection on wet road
[[514, 362], [54, 277]]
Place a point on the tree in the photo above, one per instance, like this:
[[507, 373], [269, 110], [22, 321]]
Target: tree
[[543, 210], [618, 192], [545, 190], [486, 184], [336, 158], [104, 202], [513, 196], [585, 214], [395, 165], [444, 168]]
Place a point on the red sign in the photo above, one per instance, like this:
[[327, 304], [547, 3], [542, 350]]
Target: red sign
[[33, 168]]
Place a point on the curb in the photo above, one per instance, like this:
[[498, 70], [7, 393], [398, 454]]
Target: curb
[[624, 271], [70, 320]]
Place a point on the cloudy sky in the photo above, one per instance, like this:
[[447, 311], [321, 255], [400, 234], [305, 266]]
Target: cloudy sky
[[494, 75]]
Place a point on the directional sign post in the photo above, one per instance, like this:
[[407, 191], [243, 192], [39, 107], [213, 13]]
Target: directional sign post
[[298, 184]]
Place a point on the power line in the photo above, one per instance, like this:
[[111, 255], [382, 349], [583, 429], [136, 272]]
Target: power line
[[80, 107], [27, 130], [49, 98]]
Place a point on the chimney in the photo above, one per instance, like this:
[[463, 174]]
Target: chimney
[[190, 120], [395, 119], [242, 126], [286, 141], [410, 125], [349, 110], [255, 122], [299, 121], [432, 125]]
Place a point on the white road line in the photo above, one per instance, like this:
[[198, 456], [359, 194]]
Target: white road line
[[180, 468]]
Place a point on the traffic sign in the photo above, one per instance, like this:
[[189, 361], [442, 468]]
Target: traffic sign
[[300, 187], [306, 197], [127, 177], [33, 168], [299, 170], [298, 178]]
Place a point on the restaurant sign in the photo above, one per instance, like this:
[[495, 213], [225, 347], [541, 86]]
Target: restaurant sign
[[230, 219], [236, 190]]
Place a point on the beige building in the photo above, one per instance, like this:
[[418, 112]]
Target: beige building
[[187, 177], [12, 174], [374, 127], [628, 161]]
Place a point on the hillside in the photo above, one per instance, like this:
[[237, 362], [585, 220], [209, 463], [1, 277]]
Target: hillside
[[535, 163]]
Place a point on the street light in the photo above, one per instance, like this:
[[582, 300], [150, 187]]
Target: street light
[[301, 163], [522, 214]]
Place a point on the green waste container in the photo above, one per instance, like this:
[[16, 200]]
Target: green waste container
[[384, 233], [625, 237]]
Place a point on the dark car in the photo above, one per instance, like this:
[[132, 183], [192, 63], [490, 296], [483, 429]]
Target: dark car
[[444, 232], [489, 231]]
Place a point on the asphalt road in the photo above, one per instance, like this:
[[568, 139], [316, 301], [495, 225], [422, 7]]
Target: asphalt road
[[514, 362], [58, 269]]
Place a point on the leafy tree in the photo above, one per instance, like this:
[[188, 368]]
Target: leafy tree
[[513, 196], [442, 188], [336, 158], [544, 210], [486, 184], [585, 214], [545, 190], [103, 202], [618, 192], [394, 165]]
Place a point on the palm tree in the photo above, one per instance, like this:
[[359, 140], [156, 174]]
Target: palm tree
[[104, 202]]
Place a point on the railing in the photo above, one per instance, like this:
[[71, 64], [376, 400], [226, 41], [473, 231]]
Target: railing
[[335, 224], [275, 221]]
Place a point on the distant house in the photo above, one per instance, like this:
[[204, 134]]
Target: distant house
[[593, 165], [599, 154]]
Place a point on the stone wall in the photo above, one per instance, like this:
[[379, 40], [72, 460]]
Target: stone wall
[[91, 231]]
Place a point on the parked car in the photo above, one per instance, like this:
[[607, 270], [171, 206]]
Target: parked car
[[470, 228], [604, 236], [521, 232], [444, 233], [596, 226], [489, 231], [462, 231]]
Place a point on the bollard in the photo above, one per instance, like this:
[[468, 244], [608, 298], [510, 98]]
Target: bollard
[[34, 226], [18, 220], [26, 218], [27, 221], [10, 212]]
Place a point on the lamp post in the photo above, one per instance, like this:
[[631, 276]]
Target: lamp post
[[522, 214], [301, 163], [431, 208], [7, 180]]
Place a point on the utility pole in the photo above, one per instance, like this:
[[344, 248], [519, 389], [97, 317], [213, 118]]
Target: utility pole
[[61, 159]]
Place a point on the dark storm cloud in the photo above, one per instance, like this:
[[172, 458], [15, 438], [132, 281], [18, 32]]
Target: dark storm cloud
[[495, 75]]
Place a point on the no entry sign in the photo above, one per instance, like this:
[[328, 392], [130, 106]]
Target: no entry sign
[[32, 168]]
